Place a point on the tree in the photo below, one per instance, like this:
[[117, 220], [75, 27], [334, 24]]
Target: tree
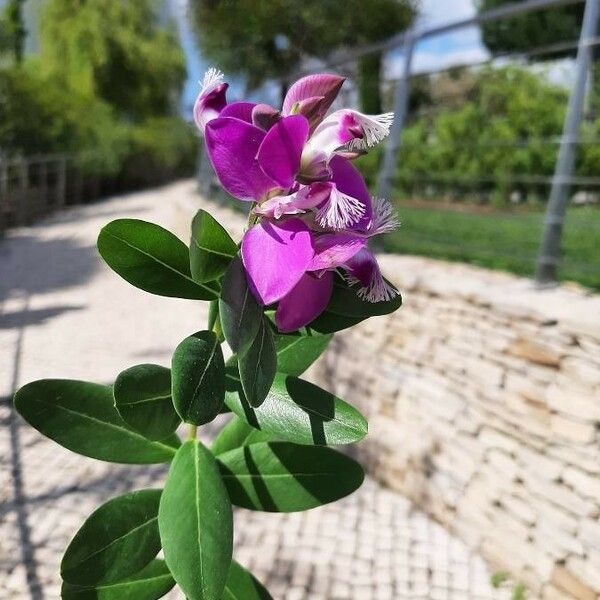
[[532, 30], [265, 39], [115, 51], [105, 86], [12, 30]]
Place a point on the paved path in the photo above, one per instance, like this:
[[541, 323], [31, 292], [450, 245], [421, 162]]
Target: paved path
[[64, 314]]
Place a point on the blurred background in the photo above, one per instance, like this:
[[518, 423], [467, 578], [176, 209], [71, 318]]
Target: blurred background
[[483, 392]]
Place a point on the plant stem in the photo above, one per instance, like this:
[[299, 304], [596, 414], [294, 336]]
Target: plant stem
[[192, 431], [218, 330]]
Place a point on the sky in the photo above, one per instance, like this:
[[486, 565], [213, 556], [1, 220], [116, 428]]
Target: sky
[[462, 46]]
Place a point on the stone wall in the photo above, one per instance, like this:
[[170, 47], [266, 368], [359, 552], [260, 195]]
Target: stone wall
[[483, 397]]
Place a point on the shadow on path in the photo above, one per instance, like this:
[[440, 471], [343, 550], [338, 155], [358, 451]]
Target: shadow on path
[[27, 548], [31, 265], [15, 320]]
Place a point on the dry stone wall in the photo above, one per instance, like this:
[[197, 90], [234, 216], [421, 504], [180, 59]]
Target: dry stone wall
[[483, 397]]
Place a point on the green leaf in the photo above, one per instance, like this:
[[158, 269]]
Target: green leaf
[[196, 523], [328, 322], [81, 416], [346, 309], [211, 248], [198, 378], [298, 411], [296, 352], [118, 539], [284, 477], [143, 398], [242, 585], [152, 259], [345, 301], [151, 583], [241, 315], [258, 365], [235, 434]]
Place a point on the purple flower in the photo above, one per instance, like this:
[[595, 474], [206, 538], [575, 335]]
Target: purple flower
[[211, 99], [313, 208]]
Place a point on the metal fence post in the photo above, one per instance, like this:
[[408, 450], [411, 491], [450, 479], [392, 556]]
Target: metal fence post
[[401, 97], [549, 253]]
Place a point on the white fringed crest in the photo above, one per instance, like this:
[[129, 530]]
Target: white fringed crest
[[378, 290], [340, 211], [375, 128], [385, 218], [212, 78]]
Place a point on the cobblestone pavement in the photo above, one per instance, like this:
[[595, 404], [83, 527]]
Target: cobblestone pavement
[[64, 314]]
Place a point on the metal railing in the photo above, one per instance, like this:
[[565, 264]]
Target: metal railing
[[557, 187]]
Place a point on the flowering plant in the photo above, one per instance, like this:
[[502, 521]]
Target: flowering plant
[[302, 272]]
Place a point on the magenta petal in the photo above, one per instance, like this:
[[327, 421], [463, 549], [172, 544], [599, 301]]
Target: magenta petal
[[280, 152], [232, 146], [323, 84], [349, 181], [209, 105], [304, 303], [364, 270], [276, 257], [239, 110], [333, 250], [362, 267]]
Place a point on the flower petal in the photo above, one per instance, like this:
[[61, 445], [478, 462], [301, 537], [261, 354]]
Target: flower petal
[[304, 199], [349, 181], [239, 110], [276, 257], [324, 85], [333, 250], [211, 99], [232, 146], [280, 152], [304, 303], [363, 269]]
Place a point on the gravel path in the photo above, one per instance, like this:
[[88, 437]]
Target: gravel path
[[64, 314]]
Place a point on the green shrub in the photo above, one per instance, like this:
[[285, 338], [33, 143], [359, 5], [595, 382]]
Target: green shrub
[[160, 149], [37, 117]]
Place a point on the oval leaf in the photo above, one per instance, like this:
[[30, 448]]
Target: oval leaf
[[284, 477], [151, 583], [240, 313], [328, 322], [81, 416], [345, 301], [152, 259], [143, 398], [296, 353], [298, 411], [118, 539], [196, 523], [242, 585], [198, 378], [211, 248], [235, 434], [258, 365]]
